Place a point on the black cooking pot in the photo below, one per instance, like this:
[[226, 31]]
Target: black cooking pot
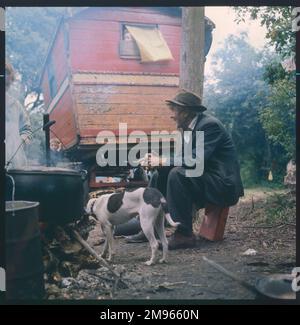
[[62, 192]]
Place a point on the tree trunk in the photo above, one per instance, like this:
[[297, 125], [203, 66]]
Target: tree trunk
[[192, 50]]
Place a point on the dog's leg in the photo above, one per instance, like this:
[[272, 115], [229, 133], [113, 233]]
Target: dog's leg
[[110, 239], [160, 229], [105, 249], [148, 229]]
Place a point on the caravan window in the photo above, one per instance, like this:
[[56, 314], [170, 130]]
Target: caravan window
[[144, 42], [128, 47]]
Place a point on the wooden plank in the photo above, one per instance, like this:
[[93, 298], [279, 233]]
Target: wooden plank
[[108, 122], [127, 66], [88, 136], [107, 119], [94, 109], [116, 99], [125, 79], [94, 131], [116, 89]]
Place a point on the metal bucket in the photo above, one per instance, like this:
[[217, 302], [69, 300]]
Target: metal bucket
[[23, 252]]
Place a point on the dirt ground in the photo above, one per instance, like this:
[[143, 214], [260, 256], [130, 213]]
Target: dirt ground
[[264, 220]]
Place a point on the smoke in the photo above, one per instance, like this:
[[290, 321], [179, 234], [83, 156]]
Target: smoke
[[36, 149], [21, 155], [14, 119], [18, 121]]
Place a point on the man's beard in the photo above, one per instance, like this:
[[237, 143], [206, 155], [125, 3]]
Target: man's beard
[[183, 125]]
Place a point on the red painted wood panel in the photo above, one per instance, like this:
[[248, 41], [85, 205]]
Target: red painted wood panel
[[94, 40], [65, 126], [91, 134], [103, 107], [138, 14], [111, 122]]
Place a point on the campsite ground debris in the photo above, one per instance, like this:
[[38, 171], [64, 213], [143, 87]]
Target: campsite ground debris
[[186, 276]]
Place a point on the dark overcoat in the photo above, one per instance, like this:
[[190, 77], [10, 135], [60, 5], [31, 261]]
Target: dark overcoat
[[220, 183]]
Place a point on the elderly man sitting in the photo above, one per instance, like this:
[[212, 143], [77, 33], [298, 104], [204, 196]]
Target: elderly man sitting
[[220, 183]]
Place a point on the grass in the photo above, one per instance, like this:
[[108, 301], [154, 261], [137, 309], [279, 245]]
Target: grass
[[265, 185], [281, 208], [268, 207]]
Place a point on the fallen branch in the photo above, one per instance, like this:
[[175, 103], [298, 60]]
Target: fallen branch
[[231, 275], [99, 258]]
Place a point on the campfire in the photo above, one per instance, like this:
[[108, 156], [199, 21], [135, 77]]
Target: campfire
[[71, 264]]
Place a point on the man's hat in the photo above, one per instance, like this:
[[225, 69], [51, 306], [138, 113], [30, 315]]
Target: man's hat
[[187, 99]]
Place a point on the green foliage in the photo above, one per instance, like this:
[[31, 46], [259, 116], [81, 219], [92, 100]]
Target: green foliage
[[256, 98], [28, 34], [273, 72], [278, 22], [234, 100], [248, 171], [279, 114]]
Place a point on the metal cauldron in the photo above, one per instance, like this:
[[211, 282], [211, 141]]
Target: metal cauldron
[[62, 192]]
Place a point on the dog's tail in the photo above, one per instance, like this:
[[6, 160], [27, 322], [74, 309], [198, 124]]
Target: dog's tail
[[165, 209]]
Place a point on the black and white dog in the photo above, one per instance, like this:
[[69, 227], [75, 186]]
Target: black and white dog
[[116, 208]]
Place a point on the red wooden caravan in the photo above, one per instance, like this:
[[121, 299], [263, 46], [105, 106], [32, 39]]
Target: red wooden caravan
[[111, 65]]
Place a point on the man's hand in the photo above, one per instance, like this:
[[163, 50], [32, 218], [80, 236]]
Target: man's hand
[[152, 160]]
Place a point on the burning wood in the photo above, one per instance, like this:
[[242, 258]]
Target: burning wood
[[70, 262]]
